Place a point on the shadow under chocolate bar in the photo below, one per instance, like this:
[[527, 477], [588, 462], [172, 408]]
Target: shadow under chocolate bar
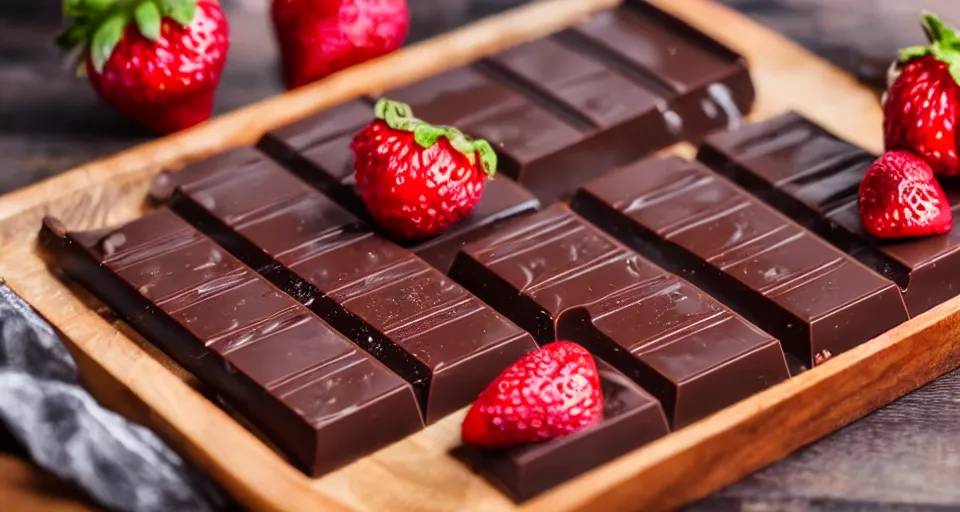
[[813, 176], [413, 318], [559, 277], [631, 419], [560, 110], [318, 397], [816, 299]]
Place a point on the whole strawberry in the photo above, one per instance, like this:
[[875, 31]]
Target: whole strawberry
[[417, 179], [922, 105], [549, 393], [900, 198], [320, 37], [156, 61]]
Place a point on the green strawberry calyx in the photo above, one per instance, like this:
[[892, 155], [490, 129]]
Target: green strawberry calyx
[[944, 44], [399, 116], [96, 26]]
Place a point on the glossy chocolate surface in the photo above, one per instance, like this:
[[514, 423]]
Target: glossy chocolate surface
[[562, 109], [814, 177], [561, 278], [317, 396], [414, 319], [317, 149], [816, 299], [631, 418], [707, 84]]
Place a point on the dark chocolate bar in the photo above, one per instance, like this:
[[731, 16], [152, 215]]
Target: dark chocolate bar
[[318, 397], [318, 151], [816, 299], [562, 109], [561, 278], [707, 84], [813, 176], [416, 320], [631, 418]]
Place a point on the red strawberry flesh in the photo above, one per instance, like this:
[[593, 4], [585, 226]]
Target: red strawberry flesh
[[547, 394]]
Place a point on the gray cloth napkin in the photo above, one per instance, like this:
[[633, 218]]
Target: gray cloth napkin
[[121, 465]]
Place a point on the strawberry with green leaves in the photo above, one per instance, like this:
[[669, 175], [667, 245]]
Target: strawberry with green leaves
[[922, 104], [156, 61], [415, 178]]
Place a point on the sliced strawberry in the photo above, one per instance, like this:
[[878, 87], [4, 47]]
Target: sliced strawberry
[[900, 198], [547, 394]]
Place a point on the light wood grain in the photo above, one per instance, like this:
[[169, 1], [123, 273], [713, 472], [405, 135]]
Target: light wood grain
[[418, 473]]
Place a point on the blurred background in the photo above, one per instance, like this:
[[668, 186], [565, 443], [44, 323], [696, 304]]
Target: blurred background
[[50, 121]]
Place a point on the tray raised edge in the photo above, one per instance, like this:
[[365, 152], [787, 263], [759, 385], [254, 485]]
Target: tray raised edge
[[127, 374]]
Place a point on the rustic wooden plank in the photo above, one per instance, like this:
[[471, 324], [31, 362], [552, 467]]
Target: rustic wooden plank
[[906, 453], [125, 371]]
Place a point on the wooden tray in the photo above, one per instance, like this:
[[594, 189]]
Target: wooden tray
[[127, 374]]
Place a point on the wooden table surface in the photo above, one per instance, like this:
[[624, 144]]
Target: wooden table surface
[[903, 457]]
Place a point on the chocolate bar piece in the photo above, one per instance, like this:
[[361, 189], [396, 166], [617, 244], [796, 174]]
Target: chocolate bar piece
[[561, 278], [410, 316], [562, 109], [502, 199], [631, 418], [813, 176], [318, 397], [707, 84], [815, 298], [317, 150]]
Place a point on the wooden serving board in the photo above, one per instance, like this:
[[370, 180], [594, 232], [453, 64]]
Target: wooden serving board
[[126, 373]]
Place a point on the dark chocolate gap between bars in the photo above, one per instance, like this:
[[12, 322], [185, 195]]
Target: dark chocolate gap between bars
[[816, 299], [559, 277], [631, 419], [314, 394], [561, 109], [502, 199], [813, 176], [413, 318]]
